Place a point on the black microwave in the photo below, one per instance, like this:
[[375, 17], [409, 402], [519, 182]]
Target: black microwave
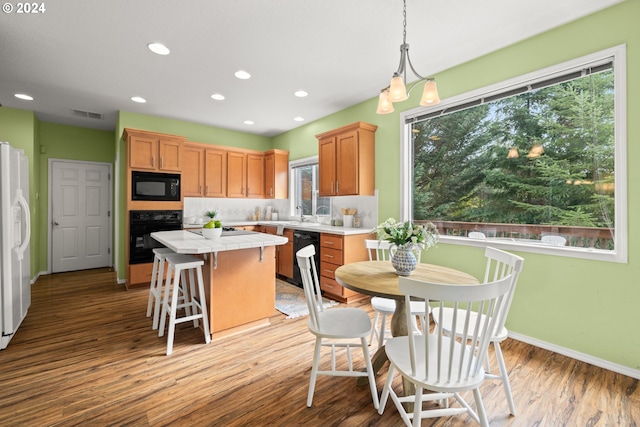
[[155, 186]]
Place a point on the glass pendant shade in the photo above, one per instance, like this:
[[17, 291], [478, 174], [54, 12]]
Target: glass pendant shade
[[384, 105], [430, 94], [397, 89], [513, 153]]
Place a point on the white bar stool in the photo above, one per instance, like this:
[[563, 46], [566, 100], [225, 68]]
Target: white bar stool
[[178, 265], [156, 285]]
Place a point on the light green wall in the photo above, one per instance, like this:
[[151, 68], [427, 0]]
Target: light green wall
[[67, 143], [20, 129], [587, 306]]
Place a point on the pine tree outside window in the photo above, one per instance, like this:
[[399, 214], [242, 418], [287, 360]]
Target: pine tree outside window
[[543, 154]]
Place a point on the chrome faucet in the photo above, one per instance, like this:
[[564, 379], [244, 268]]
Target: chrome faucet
[[301, 213]]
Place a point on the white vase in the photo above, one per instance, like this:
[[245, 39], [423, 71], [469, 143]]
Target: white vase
[[211, 233], [403, 259]]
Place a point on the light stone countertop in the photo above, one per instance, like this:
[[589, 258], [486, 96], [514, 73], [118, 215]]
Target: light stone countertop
[[292, 224], [186, 242]]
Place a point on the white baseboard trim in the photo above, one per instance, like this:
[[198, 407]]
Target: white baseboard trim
[[38, 274], [621, 369]]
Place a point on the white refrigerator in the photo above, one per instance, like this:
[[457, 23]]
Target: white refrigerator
[[15, 232]]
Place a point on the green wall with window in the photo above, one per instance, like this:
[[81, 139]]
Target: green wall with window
[[589, 307], [584, 306]]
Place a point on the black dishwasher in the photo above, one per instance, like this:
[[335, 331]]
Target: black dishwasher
[[302, 239]]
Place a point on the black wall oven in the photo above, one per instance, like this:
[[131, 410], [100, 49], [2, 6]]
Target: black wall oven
[[141, 225], [154, 186]]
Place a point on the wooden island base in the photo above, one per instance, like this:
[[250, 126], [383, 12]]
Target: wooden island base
[[241, 290]]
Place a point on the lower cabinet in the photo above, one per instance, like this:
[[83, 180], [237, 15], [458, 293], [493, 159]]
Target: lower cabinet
[[337, 250], [284, 253]]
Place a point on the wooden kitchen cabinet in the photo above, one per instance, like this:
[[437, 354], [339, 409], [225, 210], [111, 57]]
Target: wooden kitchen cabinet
[[215, 173], [236, 174], [337, 250], [276, 174], [255, 175], [346, 160], [194, 171], [284, 253], [245, 174], [205, 171], [153, 151]]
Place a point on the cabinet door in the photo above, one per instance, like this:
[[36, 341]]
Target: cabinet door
[[255, 175], [215, 173], [276, 175], [347, 164], [236, 174], [285, 256], [171, 152], [193, 173], [269, 176], [142, 153], [327, 166]]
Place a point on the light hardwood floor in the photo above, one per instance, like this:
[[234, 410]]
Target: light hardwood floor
[[86, 355]]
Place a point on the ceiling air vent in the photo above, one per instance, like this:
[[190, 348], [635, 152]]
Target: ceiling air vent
[[87, 114]]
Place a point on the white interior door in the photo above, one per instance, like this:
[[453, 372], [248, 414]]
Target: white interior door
[[80, 215]]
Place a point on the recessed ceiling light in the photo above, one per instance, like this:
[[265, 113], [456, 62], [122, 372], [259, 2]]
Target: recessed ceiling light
[[301, 94], [243, 75], [138, 99], [217, 97], [248, 122], [24, 96], [158, 48], [299, 119]]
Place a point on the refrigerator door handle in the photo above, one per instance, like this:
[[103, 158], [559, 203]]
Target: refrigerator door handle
[[27, 214]]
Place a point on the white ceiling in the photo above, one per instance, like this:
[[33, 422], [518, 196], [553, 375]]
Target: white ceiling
[[92, 55]]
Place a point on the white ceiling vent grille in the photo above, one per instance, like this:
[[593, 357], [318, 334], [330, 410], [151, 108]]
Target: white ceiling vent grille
[[87, 114]]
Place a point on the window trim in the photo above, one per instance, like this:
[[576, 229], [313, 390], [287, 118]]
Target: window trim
[[617, 54], [311, 160]]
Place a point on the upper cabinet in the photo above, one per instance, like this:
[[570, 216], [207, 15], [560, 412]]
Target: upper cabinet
[[204, 171], [209, 170], [215, 176], [153, 151], [346, 160], [193, 171], [245, 174], [276, 174]]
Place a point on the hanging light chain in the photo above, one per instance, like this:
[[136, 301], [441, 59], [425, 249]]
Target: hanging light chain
[[404, 22]]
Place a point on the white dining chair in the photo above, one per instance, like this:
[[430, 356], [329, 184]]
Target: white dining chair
[[554, 239], [477, 235], [334, 328], [499, 264], [385, 307], [441, 364]]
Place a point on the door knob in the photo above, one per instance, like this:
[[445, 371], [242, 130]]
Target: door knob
[[56, 223]]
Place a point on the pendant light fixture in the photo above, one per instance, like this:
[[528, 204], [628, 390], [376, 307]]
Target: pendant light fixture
[[397, 90]]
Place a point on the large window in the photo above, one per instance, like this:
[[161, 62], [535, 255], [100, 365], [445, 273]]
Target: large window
[[304, 189], [536, 156]]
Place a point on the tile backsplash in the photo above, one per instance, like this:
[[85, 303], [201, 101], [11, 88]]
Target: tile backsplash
[[242, 209]]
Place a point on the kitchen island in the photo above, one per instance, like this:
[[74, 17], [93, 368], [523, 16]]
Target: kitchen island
[[239, 274]]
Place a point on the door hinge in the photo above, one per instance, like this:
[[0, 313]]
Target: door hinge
[[109, 251], [109, 214]]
